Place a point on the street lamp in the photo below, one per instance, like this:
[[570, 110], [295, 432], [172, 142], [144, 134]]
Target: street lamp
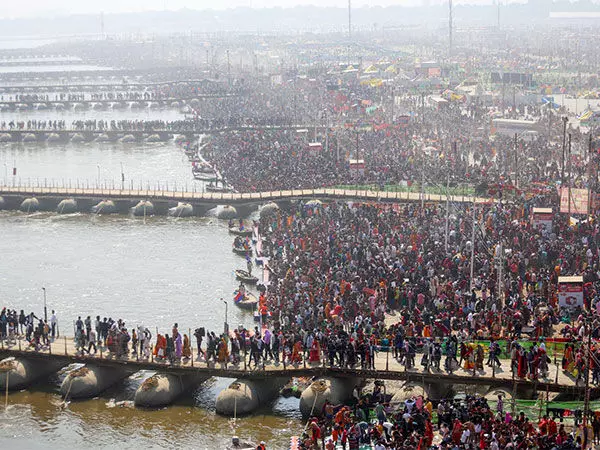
[[45, 309], [122, 178], [98, 166], [226, 325]]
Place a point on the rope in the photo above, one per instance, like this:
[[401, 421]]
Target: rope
[[6, 392], [68, 392], [311, 410]]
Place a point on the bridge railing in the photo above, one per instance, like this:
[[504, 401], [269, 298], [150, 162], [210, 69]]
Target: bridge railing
[[384, 360], [195, 130], [192, 189], [14, 183]]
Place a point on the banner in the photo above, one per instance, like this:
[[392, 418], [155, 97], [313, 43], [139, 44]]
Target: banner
[[570, 295], [574, 201]]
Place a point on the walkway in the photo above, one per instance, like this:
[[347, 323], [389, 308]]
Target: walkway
[[26, 134], [386, 367], [95, 85], [90, 100], [219, 198]]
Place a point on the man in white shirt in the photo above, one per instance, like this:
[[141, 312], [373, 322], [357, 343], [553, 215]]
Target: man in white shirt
[[464, 438]]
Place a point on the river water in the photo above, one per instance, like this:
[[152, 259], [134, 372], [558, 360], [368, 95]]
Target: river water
[[155, 273]]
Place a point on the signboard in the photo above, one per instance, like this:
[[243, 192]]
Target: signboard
[[315, 147], [403, 120], [357, 166], [570, 292], [542, 217], [574, 201]]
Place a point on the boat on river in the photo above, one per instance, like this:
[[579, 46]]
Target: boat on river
[[241, 250], [247, 300], [202, 168], [245, 276], [202, 176], [240, 231]]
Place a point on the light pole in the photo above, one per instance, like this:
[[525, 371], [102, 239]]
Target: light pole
[[226, 325], [45, 309], [98, 166], [122, 178]]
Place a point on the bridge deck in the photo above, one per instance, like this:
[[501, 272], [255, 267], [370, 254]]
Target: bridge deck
[[47, 131], [94, 85], [386, 367], [235, 197], [107, 101]]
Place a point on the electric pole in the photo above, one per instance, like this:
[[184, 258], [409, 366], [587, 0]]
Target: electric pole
[[228, 69], [349, 20], [472, 268], [102, 25], [450, 27], [516, 162], [564, 143], [498, 14]]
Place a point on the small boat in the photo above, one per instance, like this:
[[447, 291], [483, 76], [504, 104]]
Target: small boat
[[248, 301], [205, 176], [242, 250], [245, 276], [202, 168], [240, 231]]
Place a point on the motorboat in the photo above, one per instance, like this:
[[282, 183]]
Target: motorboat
[[245, 276], [242, 250], [247, 300], [240, 231], [202, 176]]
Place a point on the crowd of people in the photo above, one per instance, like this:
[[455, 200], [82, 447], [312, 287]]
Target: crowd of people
[[37, 331], [415, 423], [102, 125]]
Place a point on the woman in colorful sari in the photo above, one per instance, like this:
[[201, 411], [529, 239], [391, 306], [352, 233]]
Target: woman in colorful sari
[[187, 350], [568, 359], [315, 352], [223, 352], [469, 358], [297, 353], [178, 346], [160, 347], [521, 363]]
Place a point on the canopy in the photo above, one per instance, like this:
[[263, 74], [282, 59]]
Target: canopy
[[371, 69]]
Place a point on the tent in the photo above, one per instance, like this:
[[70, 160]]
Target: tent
[[371, 69]]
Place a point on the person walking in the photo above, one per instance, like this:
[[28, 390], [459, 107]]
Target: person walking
[[53, 325], [92, 342]]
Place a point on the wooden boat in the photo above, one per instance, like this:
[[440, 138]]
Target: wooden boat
[[248, 302], [246, 231], [202, 168], [246, 277], [205, 176], [242, 251]]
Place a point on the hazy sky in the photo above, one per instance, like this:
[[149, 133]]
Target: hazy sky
[[28, 8]]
